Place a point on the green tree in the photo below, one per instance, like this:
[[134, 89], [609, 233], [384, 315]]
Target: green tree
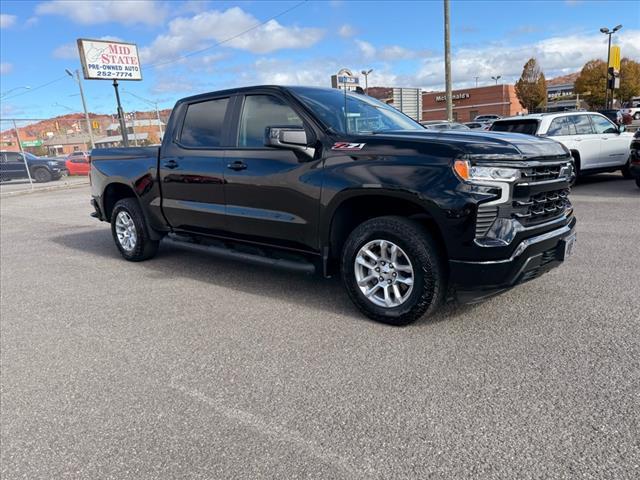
[[531, 89], [629, 80]]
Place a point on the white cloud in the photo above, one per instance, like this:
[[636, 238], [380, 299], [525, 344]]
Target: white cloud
[[31, 21], [556, 55], [5, 68], [91, 12], [346, 31], [367, 50], [7, 20], [199, 31], [69, 51]]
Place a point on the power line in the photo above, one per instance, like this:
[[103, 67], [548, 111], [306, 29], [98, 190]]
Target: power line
[[35, 88], [195, 52]]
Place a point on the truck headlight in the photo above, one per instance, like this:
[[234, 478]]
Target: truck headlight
[[469, 173], [53, 163]]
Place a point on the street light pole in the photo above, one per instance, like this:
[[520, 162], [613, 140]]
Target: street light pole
[[477, 81], [84, 105], [496, 78], [447, 61], [366, 80], [608, 32]]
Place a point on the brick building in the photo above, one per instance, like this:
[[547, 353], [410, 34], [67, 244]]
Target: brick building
[[470, 102]]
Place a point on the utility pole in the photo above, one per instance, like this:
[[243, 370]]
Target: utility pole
[[84, 105], [24, 157], [477, 81], [447, 60], [155, 105]]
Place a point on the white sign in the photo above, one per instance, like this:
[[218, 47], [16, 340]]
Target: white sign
[[105, 60]]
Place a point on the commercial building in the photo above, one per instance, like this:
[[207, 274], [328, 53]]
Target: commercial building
[[468, 103], [561, 93]]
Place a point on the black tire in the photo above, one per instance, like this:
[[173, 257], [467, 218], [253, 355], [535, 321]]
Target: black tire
[[42, 175], [638, 181], [429, 281], [144, 247], [626, 170], [576, 168]]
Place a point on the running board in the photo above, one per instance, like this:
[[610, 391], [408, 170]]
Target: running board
[[299, 266]]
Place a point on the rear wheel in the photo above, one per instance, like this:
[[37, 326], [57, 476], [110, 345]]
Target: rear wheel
[[130, 233], [42, 175], [392, 270]]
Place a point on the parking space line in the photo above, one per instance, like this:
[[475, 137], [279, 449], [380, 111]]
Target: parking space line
[[278, 432]]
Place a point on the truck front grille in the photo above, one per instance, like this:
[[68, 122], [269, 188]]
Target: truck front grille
[[541, 207], [541, 173]]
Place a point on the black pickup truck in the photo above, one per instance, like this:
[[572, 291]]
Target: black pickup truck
[[316, 179]]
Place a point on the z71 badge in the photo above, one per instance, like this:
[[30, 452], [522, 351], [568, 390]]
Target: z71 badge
[[347, 146]]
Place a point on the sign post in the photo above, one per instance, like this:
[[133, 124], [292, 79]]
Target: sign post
[[106, 60]]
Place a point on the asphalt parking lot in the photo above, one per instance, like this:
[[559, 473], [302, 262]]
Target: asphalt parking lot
[[195, 367]]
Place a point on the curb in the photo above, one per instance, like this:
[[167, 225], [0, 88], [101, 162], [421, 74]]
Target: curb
[[44, 189]]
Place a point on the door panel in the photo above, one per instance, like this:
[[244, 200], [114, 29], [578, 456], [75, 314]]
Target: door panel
[[266, 193], [12, 165], [191, 169], [585, 141], [614, 149]]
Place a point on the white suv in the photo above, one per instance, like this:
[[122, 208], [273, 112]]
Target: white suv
[[596, 143]]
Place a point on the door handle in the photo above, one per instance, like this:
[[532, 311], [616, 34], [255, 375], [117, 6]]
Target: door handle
[[604, 138], [237, 165], [171, 164]]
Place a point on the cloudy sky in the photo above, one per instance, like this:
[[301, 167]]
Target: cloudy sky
[[197, 46]]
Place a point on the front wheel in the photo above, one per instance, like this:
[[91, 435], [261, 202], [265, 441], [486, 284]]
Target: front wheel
[[129, 230], [42, 175], [626, 170], [392, 270]]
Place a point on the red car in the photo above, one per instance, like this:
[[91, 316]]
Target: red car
[[78, 163]]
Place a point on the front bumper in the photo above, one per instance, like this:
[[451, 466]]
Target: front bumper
[[475, 280]]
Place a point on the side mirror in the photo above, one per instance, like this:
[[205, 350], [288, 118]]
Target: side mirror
[[291, 138], [621, 128]]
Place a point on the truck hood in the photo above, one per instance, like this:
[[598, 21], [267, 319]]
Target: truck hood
[[485, 143]]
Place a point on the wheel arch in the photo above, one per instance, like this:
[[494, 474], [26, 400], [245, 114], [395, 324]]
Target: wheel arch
[[114, 192], [357, 207]]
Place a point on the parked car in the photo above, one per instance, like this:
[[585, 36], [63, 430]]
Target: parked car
[[316, 179], [78, 163], [475, 125], [486, 118], [634, 161], [12, 167], [614, 115], [440, 125], [596, 143], [632, 108]]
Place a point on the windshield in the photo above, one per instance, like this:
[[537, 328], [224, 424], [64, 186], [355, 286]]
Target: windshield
[[30, 156], [363, 114], [528, 127]]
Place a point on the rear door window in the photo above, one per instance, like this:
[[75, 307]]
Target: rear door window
[[203, 124], [527, 126], [582, 124], [560, 126]]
